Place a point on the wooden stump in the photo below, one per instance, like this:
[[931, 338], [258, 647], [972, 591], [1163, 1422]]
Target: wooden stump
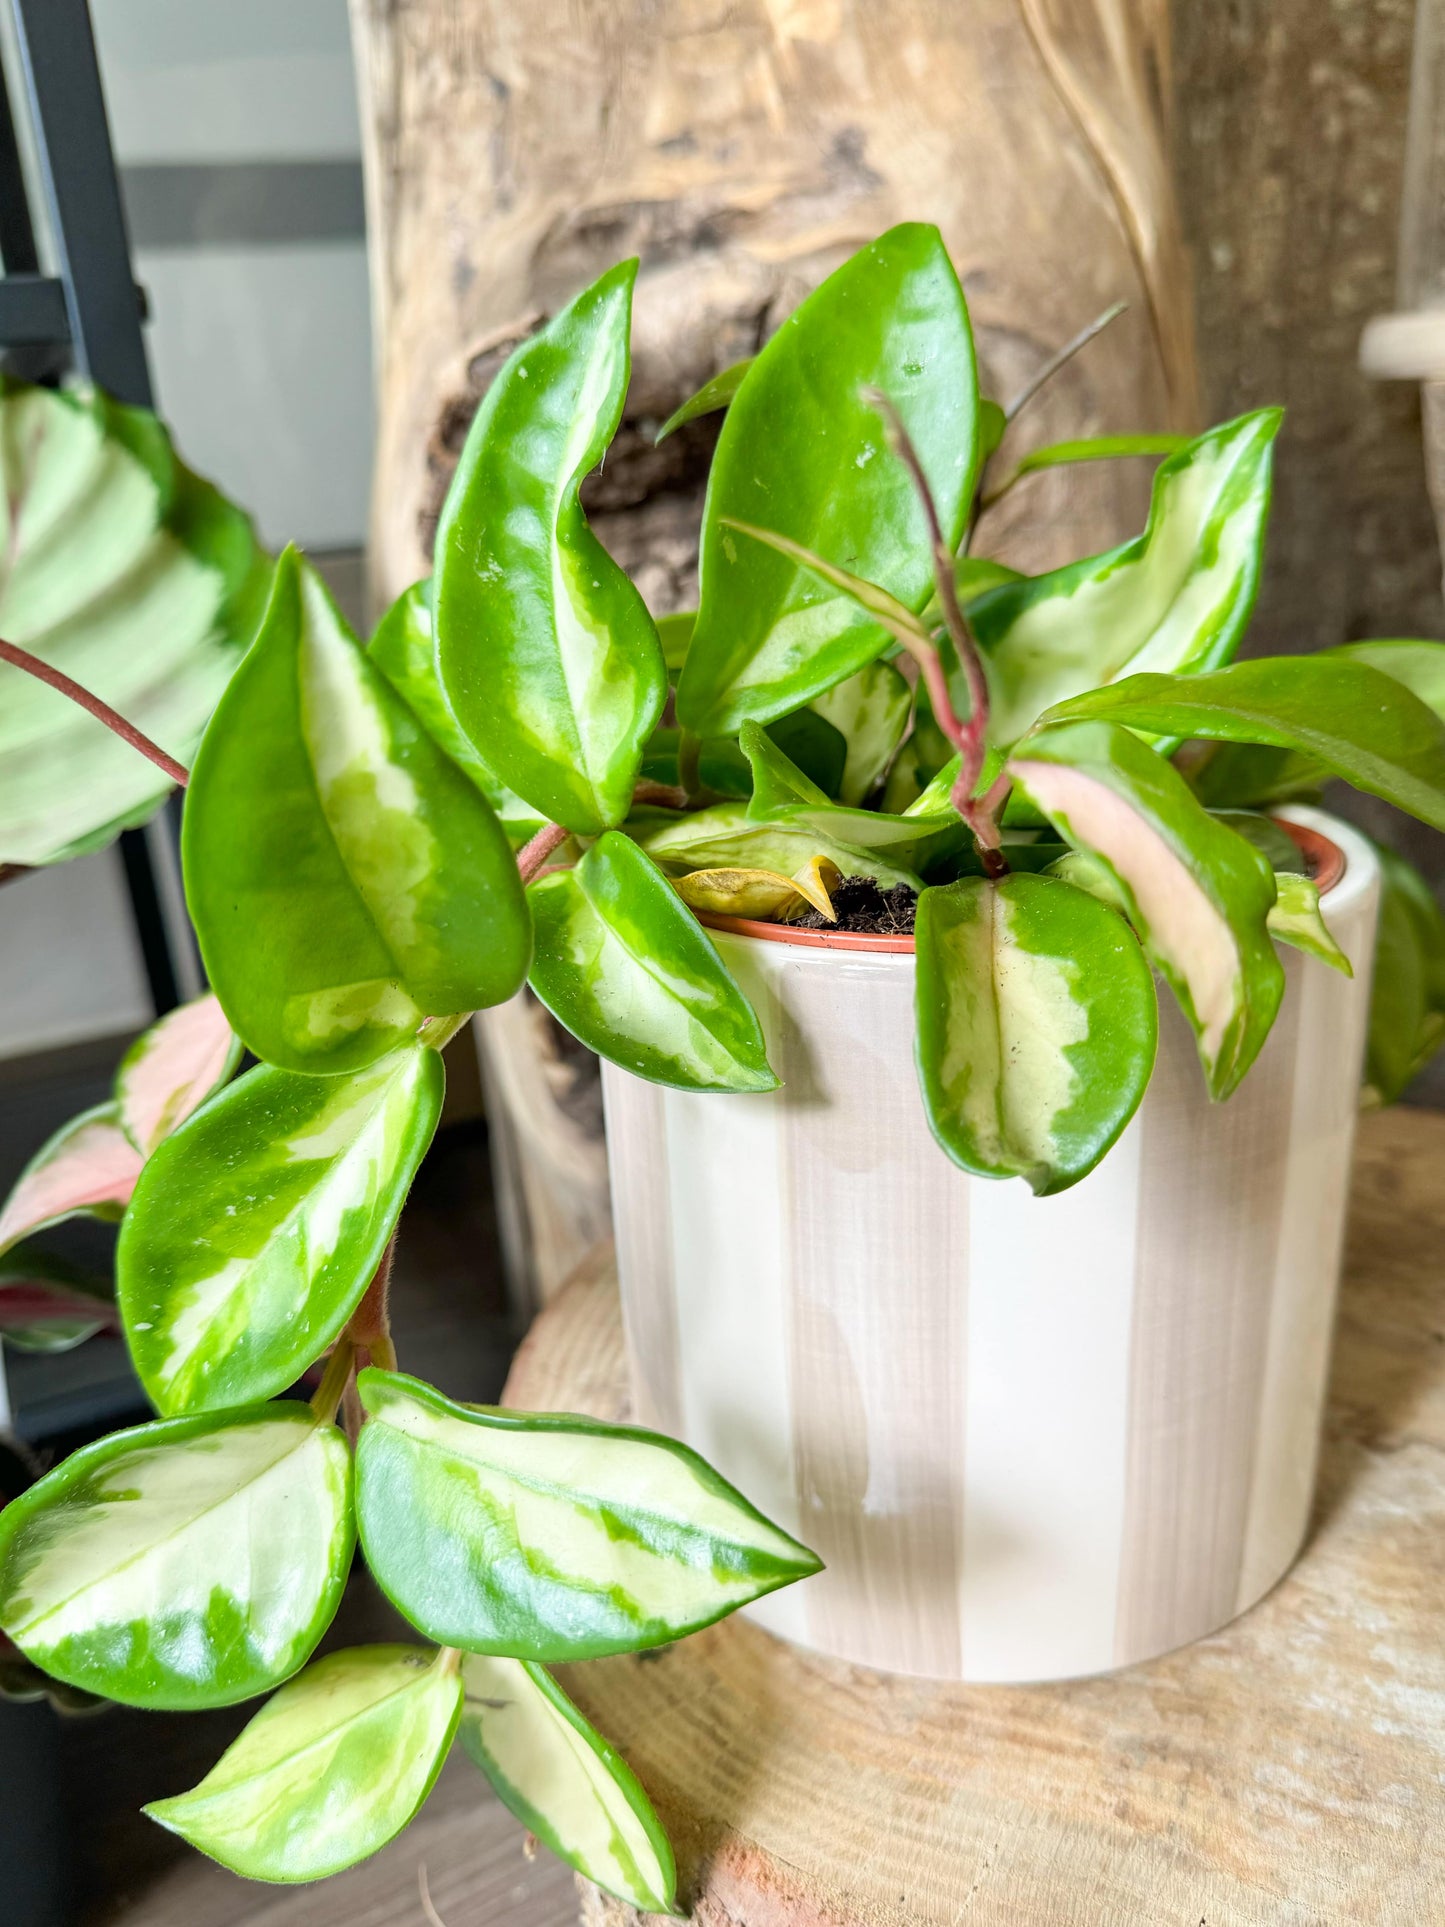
[[1288, 1772]]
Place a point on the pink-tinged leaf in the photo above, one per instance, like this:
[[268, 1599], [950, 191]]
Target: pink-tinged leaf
[[47, 1305], [171, 1070], [88, 1168]]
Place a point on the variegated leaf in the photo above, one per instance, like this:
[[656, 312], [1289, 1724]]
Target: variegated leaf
[[784, 797], [134, 577], [761, 893], [870, 711], [1198, 895], [1419, 665], [1175, 598], [563, 1781], [189, 1563], [88, 1169], [1037, 1027], [372, 885], [1296, 919], [47, 1305], [257, 1227], [627, 968], [172, 1068], [725, 837], [551, 1537], [330, 1769], [404, 650], [549, 658]]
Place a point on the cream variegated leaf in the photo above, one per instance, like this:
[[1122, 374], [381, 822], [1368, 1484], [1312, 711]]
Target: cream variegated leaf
[[89, 1168], [330, 1769], [1036, 1026], [870, 711], [1196, 892], [189, 1563], [551, 1537], [1296, 919], [255, 1229], [563, 1781], [1175, 598], [172, 1069]]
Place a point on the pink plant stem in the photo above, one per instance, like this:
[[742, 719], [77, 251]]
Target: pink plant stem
[[102, 711], [533, 855], [968, 738]]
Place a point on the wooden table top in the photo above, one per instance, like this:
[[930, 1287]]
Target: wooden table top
[[1288, 1771]]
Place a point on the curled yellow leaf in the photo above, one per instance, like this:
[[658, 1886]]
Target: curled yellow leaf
[[764, 894]]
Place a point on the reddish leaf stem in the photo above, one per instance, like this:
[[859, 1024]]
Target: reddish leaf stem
[[969, 737], [102, 711], [369, 1327], [533, 855]]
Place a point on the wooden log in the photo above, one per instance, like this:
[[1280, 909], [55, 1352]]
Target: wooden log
[[1285, 1773], [514, 153]]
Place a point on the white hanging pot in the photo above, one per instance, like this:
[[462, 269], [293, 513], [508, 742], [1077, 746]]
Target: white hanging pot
[[1030, 1437]]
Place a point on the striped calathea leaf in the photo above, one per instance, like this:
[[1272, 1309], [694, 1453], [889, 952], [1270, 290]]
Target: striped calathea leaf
[[373, 885], [135, 578], [48, 1304], [563, 1781], [626, 967], [803, 453], [1345, 717], [256, 1228], [1197, 893], [549, 658], [404, 650], [549, 1537], [726, 837], [1037, 1026], [188, 1563], [1175, 598], [87, 1169], [330, 1769], [172, 1068]]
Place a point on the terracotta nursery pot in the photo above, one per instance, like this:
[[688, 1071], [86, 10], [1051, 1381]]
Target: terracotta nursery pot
[[1031, 1437]]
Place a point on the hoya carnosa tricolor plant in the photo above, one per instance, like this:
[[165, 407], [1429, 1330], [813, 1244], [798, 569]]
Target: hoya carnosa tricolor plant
[[527, 776]]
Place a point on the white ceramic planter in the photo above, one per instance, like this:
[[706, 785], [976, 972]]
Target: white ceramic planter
[[1031, 1438]]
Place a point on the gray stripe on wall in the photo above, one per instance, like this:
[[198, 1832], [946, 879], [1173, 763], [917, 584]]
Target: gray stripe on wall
[[243, 203]]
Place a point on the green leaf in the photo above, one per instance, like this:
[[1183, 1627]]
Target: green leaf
[[801, 453], [726, 838], [330, 1769], [1096, 448], [674, 633], [1296, 919], [88, 1169], [1419, 665], [1037, 1026], [992, 427], [345, 878], [1348, 718], [1407, 990], [134, 577], [1198, 894], [783, 797], [630, 971], [189, 1563], [870, 710], [545, 1536], [47, 1305], [547, 652], [1268, 837], [1241, 776], [404, 650], [712, 396], [902, 623], [255, 1229], [563, 1781], [1175, 598], [172, 1068]]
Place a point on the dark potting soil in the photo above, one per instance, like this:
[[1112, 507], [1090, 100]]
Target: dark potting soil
[[862, 906]]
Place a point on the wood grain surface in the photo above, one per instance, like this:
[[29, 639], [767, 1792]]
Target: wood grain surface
[[1288, 1772]]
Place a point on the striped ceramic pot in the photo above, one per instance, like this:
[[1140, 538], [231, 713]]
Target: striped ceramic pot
[[1030, 1437]]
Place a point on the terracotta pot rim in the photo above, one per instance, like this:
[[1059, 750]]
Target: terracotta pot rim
[[1327, 866]]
